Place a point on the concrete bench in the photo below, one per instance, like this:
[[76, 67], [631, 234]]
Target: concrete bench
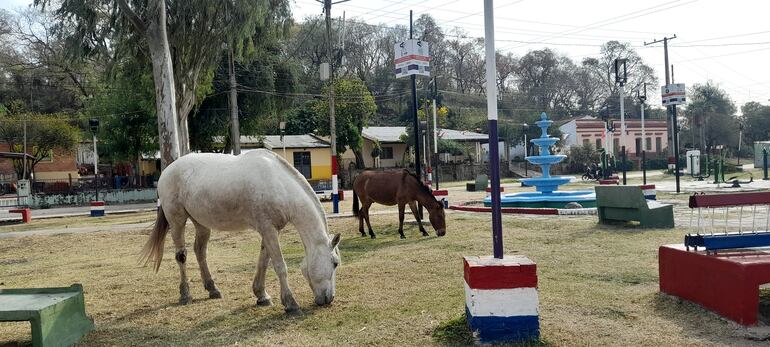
[[726, 282], [57, 315], [627, 203], [26, 214]]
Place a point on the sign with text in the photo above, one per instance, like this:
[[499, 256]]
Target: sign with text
[[412, 57], [673, 94]]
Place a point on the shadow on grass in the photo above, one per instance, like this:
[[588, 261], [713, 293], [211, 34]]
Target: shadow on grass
[[455, 332], [240, 322]]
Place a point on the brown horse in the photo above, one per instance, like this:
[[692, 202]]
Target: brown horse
[[391, 188]]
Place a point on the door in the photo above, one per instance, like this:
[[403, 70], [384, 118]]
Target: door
[[302, 163]]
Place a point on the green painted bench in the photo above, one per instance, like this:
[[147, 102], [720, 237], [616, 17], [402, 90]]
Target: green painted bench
[[57, 315], [627, 203]]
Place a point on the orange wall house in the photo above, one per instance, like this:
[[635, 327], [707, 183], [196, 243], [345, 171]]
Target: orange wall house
[[61, 165]]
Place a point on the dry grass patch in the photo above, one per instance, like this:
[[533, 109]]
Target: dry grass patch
[[598, 286]]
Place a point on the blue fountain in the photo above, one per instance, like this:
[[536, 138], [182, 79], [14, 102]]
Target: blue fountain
[[546, 193]]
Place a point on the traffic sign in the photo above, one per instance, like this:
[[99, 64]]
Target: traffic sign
[[673, 94], [412, 57]]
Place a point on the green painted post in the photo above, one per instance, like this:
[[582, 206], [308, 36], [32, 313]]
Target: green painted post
[[604, 163], [764, 162]]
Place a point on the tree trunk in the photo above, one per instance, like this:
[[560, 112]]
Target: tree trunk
[[359, 159], [185, 103], [163, 76]]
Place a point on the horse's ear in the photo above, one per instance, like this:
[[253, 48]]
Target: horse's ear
[[336, 240]]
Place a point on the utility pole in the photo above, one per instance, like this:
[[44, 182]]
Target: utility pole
[[332, 126], [415, 121], [642, 98], [670, 120], [435, 129], [235, 132], [621, 77]]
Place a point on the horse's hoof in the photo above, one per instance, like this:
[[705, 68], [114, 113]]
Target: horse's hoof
[[373, 237], [185, 300], [264, 302], [403, 237], [294, 311], [363, 235], [215, 295]]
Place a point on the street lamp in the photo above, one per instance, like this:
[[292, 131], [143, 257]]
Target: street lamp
[[94, 125], [525, 126]]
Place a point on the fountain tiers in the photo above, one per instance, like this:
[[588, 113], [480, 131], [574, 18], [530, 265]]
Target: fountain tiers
[[546, 193]]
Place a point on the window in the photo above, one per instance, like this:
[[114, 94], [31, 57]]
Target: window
[[648, 144], [598, 143], [387, 153], [658, 146], [302, 163], [638, 148], [586, 142]]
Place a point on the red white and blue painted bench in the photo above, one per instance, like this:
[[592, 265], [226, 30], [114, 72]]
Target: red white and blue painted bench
[[725, 274]]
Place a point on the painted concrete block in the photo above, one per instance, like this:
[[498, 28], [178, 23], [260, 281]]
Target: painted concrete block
[[501, 300], [97, 208]]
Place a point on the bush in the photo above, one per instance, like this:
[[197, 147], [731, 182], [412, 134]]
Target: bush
[[579, 157]]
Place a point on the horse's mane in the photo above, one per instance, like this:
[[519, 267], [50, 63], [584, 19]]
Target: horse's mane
[[307, 188], [425, 189]]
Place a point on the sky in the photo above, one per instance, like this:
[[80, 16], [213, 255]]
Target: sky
[[727, 43]]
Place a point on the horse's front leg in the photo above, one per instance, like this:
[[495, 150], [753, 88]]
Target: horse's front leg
[[416, 214], [401, 208], [263, 299], [273, 247]]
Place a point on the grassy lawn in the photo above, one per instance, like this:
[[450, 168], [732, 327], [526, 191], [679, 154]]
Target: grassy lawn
[[598, 286]]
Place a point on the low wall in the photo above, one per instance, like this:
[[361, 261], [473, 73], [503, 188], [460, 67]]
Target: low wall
[[111, 197]]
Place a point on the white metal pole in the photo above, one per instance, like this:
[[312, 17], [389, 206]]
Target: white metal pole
[[96, 169], [622, 119], [24, 157], [435, 129], [494, 157]]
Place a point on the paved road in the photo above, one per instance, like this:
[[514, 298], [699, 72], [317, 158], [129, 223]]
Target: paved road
[[58, 212], [129, 227]]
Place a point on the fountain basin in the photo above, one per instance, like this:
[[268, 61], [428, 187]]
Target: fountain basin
[[556, 199], [546, 184], [545, 159]]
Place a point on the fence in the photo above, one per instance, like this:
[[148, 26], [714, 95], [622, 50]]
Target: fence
[[87, 184]]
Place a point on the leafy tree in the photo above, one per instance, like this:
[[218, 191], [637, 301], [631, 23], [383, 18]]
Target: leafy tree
[[757, 120], [184, 40], [353, 105], [710, 114], [127, 112], [44, 134]]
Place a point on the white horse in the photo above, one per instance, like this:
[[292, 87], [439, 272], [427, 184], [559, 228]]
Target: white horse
[[256, 190]]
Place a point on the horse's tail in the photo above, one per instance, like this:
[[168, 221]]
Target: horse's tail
[[356, 208], [153, 249]]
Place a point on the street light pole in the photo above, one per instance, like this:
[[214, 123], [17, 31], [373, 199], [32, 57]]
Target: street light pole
[[526, 149], [94, 124]]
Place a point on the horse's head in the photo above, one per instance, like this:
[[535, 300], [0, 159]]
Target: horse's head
[[319, 268], [437, 218]]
